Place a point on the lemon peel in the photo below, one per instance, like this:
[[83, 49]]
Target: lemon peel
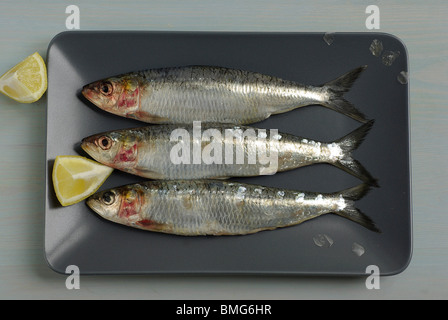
[[75, 178], [26, 82]]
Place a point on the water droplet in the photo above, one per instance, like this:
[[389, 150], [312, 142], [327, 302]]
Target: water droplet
[[241, 193], [376, 47], [300, 197], [329, 37], [262, 134], [403, 77], [358, 249], [335, 150], [389, 57], [241, 189], [341, 203], [323, 240]]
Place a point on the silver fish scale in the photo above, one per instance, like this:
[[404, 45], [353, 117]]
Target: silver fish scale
[[155, 158], [214, 207], [220, 94]]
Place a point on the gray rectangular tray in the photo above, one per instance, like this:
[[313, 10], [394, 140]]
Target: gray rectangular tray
[[75, 235]]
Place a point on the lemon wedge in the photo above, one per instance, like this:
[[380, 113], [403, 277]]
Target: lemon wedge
[[26, 82], [76, 178]]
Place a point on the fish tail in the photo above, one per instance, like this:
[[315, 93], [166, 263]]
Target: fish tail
[[349, 211], [348, 144], [337, 88]]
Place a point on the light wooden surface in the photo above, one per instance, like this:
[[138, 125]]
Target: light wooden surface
[[28, 26]]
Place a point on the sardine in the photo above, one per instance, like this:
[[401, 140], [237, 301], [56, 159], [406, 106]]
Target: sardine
[[219, 151], [216, 207], [214, 94]]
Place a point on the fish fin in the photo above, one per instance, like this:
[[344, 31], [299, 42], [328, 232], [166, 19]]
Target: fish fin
[[150, 174], [352, 213], [147, 117], [337, 88], [348, 144]]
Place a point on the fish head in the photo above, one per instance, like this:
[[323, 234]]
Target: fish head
[[116, 149], [121, 205], [117, 95]]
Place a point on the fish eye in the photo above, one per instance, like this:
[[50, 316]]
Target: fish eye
[[108, 198], [106, 88], [104, 142]]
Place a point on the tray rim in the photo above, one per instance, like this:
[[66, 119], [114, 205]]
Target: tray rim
[[239, 273]]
